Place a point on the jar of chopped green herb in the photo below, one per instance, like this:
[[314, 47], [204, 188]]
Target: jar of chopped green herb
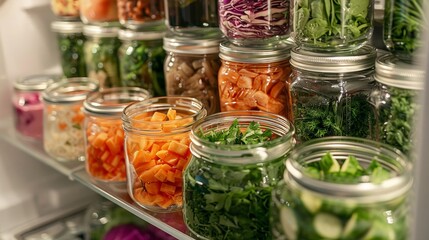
[[399, 84], [330, 93], [237, 158]]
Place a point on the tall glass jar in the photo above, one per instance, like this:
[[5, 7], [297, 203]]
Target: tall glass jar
[[66, 9], [70, 40], [101, 55], [255, 78], [191, 68], [99, 12], [141, 14], [227, 188], [104, 136], [141, 60], [370, 204], [63, 118], [332, 25], [395, 100], [330, 93], [254, 22], [157, 149]]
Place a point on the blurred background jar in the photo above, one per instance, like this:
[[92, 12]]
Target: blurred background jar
[[191, 68], [141, 14], [70, 41], [104, 136], [63, 119], [141, 60], [66, 9], [101, 55], [99, 12], [157, 149], [255, 78]]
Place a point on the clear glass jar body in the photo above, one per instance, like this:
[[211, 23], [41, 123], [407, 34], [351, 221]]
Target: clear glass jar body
[[193, 75], [141, 14], [305, 207], [256, 22], [66, 9], [402, 30], [72, 57], [328, 26], [142, 65], [227, 188], [332, 104], [157, 149], [99, 12], [255, 86]]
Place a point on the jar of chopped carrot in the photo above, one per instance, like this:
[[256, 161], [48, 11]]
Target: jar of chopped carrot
[[255, 78], [63, 135], [157, 149], [104, 136]]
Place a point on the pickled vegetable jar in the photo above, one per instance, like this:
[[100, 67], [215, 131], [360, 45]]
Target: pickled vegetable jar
[[343, 188], [330, 93], [141, 60], [101, 55], [403, 22], [255, 78], [395, 99], [332, 25], [28, 105], [157, 149], [63, 118], [66, 9], [99, 12], [254, 22], [191, 68], [71, 40], [104, 136], [237, 159], [141, 14]]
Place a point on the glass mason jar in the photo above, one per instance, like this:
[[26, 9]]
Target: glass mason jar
[[157, 149], [255, 78], [330, 93], [63, 134], [141, 14], [28, 105], [395, 100], [371, 204], [332, 25], [101, 55], [70, 40], [141, 60], [66, 9], [403, 32], [227, 188], [99, 12], [104, 136], [191, 68], [254, 22]]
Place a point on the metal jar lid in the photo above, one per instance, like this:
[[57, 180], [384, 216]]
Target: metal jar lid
[[255, 54], [100, 31], [35, 82], [391, 71], [67, 27], [338, 62], [69, 90], [206, 44], [127, 34], [112, 101]]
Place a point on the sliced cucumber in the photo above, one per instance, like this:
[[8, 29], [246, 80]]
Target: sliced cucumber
[[328, 226], [357, 225], [380, 230], [351, 165], [289, 223], [311, 202]]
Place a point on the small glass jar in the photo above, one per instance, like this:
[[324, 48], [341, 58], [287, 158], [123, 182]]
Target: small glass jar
[[157, 149], [104, 136], [255, 78], [403, 28], [141, 14], [191, 68], [330, 93], [63, 118], [395, 100], [28, 105], [99, 12], [227, 188], [305, 206], [141, 60], [332, 25], [70, 40], [257, 22], [66, 9], [101, 55]]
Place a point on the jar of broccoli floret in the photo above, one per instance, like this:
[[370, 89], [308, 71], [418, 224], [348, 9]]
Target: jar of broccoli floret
[[237, 158], [342, 188]]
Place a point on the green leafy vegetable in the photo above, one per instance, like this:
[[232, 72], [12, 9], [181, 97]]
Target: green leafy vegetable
[[72, 56]]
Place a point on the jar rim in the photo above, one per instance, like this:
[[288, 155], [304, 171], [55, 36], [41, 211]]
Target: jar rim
[[67, 26], [205, 44], [69, 90], [38, 82], [100, 31], [255, 54], [127, 34]]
